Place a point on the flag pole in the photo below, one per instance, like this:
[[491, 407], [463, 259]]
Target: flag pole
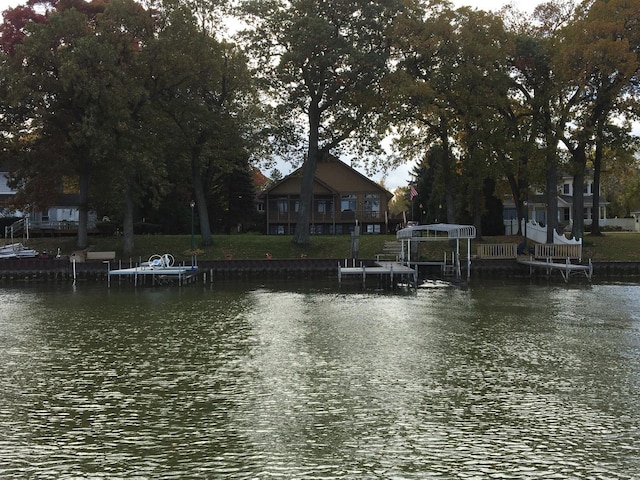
[[413, 193]]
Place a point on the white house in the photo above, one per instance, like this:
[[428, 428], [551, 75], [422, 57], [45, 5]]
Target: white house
[[61, 217], [537, 209]]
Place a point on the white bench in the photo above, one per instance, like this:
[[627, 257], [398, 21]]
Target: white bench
[[108, 255], [558, 251], [497, 250]]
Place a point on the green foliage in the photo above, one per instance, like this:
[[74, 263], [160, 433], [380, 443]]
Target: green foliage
[[322, 61], [147, 109], [134, 103]]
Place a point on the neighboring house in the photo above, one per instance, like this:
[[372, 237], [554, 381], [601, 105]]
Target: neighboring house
[[260, 182], [62, 217], [341, 197], [565, 203], [6, 194], [537, 210]]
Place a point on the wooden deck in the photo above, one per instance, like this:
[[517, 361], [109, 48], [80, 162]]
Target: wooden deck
[[566, 268], [393, 271]]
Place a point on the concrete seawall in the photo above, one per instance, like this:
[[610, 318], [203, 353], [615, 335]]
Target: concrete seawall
[[21, 270]]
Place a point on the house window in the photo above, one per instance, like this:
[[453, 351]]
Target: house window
[[372, 205], [566, 189], [324, 206], [348, 202], [566, 215], [373, 228], [296, 206], [588, 189], [283, 206]]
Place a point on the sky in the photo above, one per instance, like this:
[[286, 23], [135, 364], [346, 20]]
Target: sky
[[400, 176]]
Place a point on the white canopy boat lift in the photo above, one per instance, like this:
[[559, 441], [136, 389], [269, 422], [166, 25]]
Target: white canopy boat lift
[[437, 232]]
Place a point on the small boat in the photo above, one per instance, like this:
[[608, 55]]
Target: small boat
[[17, 250]]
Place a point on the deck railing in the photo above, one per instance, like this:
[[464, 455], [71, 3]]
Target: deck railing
[[20, 226]]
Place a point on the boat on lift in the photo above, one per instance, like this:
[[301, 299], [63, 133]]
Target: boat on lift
[[17, 250]]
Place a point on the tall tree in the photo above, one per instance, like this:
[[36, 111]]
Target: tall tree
[[599, 62], [71, 87], [203, 92], [451, 79], [420, 106], [322, 61], [531, 119]]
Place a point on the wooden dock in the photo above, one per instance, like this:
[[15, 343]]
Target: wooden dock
[[566, 268], [393, 271]]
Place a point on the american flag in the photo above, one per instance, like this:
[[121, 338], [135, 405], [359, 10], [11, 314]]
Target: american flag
[[413, 193]]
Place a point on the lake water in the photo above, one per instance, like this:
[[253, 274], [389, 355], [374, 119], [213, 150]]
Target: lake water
[[311, 382]]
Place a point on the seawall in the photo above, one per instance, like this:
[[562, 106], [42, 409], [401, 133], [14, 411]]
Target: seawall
[[37, 270]]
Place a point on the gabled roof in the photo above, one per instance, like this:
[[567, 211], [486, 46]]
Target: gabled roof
[[260, 180], [332, 176]]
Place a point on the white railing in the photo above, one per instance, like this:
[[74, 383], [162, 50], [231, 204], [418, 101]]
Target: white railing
[[498, 250], [549, 250], [19, 226]]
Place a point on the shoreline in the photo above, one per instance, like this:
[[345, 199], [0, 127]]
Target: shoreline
[[36, 269]]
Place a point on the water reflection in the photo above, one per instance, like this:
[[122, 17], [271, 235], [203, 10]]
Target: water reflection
[[493, 381]]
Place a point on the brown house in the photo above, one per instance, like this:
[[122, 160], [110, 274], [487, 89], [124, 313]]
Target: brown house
[[341, 197]]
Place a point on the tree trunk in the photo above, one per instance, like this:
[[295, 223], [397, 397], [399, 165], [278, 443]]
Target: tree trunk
[[597, 168], [516, 194], [447, 175], [200, 197], [551, 192], [127, 223], [477, 212], [301, 236], [83, 212], [579, 163]]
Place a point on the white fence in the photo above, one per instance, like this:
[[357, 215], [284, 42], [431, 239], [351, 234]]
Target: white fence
[[627, 224], [622, 223], [538, 234]]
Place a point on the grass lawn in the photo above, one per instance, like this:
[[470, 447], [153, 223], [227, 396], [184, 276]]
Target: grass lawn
[[612, 246]]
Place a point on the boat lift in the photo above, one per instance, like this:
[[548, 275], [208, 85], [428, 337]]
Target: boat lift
[[159, 268], [437, 232]]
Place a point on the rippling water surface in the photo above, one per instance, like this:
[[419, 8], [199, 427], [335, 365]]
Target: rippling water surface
[[492, 381]]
